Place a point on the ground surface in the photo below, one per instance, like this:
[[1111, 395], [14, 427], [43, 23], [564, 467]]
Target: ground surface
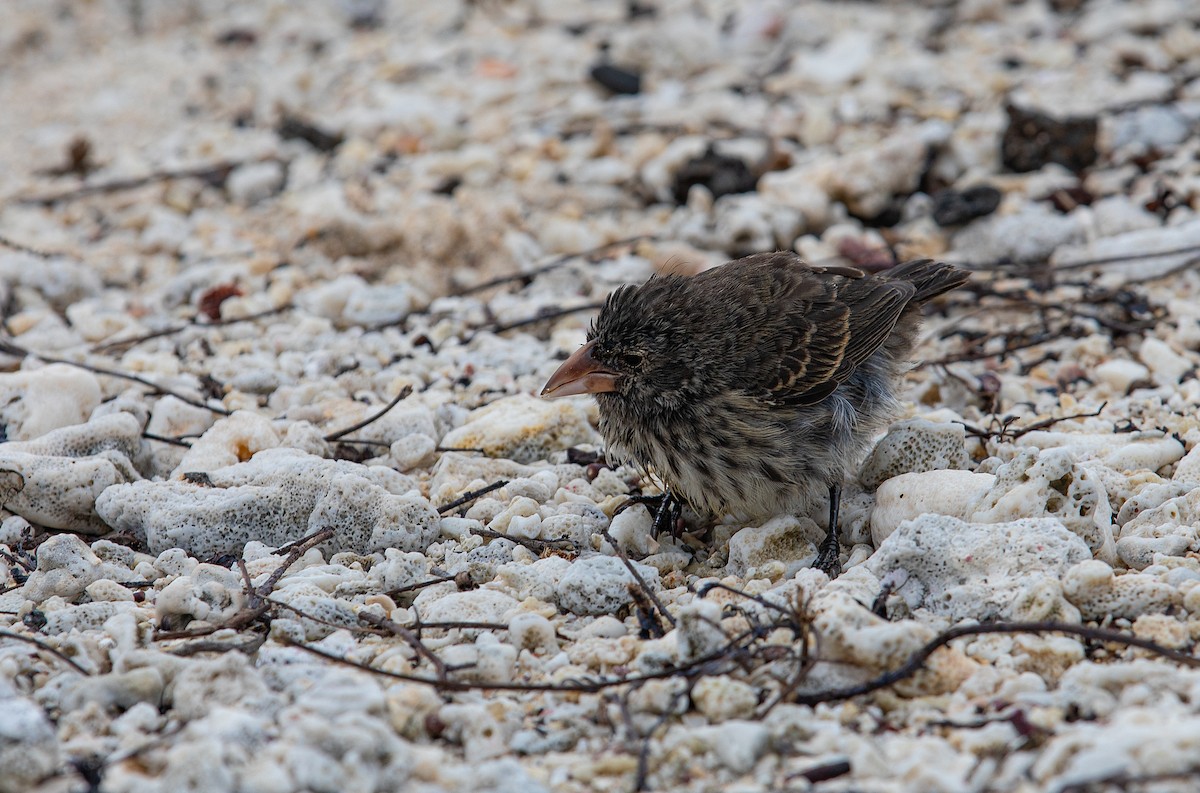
[[229, 232]]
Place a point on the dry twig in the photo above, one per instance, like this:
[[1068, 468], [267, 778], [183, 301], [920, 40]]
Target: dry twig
[[215, 173], [917, 661], [528, 276], [466, 498], [1006, 432], [542, 316], [124, 344], [641, 585], [10, 348], [396, 400], [693, 667], [38, 252], [259, 598], [41, 645], [408, 636]]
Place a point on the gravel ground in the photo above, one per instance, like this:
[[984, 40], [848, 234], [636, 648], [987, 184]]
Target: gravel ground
[[280, 282]]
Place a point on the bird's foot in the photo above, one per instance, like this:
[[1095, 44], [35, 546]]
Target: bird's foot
[[829, 557], [665, 508]]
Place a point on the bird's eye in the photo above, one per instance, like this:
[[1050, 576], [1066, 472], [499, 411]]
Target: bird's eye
[[630, 360]]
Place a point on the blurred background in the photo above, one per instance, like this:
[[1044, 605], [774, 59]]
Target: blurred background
[[461, 140]]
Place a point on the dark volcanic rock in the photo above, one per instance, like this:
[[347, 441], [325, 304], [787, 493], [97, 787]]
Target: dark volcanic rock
[[952, 207], [616, 79], [1034, 138], [721, 174]]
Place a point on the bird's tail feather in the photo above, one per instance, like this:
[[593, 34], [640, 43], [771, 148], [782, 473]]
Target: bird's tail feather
[[931, 278]]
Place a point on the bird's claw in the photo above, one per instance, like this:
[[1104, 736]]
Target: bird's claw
[[665, 508], [829, 558]]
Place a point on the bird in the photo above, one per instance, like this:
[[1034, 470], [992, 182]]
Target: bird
[[752, 388]]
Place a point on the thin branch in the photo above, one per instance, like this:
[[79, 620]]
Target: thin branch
[[1020, 300], [125, 344], [1025, 342], [396, 400], [1125, 257], [643, 756], [364, 442], [1012, 434], [553, 264], [38, 252], [567, 686], [342, 626], [259, 597], [544, 316], [419, 585], [216, 173], [710, 586], [641, 582], [12, 349], [1050, 422], [810, 653], [917, 660], [471, 496], [298, 549], [408, 636], [1022, 267], [150, 436], [464, 625], [1123, 780], [531, 543], [41, 645]]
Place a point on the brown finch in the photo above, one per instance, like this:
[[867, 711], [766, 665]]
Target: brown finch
[[754, 386]]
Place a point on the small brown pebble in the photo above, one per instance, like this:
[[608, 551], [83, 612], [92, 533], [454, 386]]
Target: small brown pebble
[[211, 300]]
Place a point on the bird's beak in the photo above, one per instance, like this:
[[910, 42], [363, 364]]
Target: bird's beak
[[580, 374]]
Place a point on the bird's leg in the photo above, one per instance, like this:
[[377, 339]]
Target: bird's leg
[[828, 556], [670, 510], [666, 509], [651, 502]]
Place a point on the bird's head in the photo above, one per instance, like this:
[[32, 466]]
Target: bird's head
[[636, 349]]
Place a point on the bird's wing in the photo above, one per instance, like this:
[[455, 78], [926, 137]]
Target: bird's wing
[[831, 322]]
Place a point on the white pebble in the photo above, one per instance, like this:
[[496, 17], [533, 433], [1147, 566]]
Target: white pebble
[[908, 496], [1167, 366], [528, 527]]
